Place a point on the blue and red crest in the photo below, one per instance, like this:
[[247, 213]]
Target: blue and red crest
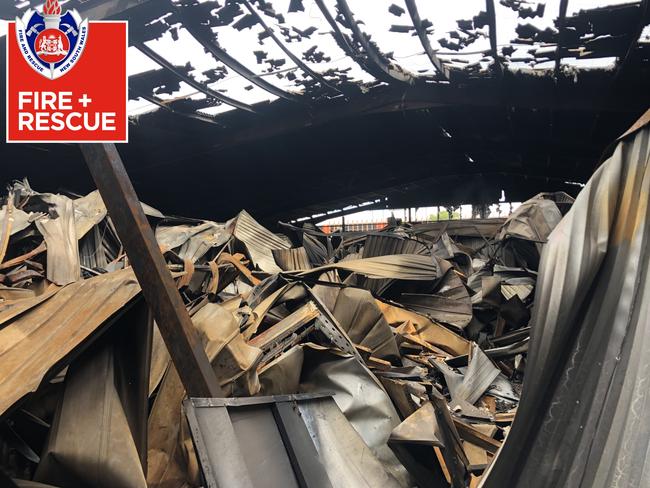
[[52, 42]]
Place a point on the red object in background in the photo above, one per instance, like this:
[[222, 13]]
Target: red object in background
[[98, 83]]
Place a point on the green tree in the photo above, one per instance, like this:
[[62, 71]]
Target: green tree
[[444, 215]]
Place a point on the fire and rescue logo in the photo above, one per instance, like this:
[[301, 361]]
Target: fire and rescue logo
[[52, 42]]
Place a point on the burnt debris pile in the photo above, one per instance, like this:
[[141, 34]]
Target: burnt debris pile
[[418, 332]]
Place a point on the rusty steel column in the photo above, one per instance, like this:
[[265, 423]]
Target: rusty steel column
[[150, 268]]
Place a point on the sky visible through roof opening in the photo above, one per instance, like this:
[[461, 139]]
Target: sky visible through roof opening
[[392, 33]]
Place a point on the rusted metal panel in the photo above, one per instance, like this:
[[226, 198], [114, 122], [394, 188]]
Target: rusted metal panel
[[101, 419], [38, 341]]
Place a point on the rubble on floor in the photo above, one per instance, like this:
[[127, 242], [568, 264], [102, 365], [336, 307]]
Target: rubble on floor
[[417, 334]]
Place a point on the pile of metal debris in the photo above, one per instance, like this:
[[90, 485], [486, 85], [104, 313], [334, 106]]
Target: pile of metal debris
[[401, 353], [402, 325]]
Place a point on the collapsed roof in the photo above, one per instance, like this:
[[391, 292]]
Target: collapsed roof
[[329, 96], [421, 332]]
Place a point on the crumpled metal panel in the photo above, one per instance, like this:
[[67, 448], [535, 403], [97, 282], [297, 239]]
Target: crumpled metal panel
[[360, 396], [231, 357], [194, 241], [384, 245], [97, 426], [292, 259], [312, 368], [362, 320], [43, 336], [60, 236], [424, 329], [533, 220], [348, 460], [450, 301], [398, 266], [259, 241], [88, 212], [583, 416]]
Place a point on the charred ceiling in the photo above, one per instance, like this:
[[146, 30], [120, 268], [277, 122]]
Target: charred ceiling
[[332, 103]]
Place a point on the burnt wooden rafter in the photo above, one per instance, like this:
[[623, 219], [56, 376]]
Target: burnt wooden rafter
[[375, 58], [157, 58], [166, 106], [424, 39], [206, 39], [296, 60], [560, 26]]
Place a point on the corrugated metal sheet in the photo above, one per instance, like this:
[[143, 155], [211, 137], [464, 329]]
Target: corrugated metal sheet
[[13, 308], [259, 242], [440, 308], [292, 259], [584, 416], [398, 266], [45, 334], [466, 227], [383, 245]]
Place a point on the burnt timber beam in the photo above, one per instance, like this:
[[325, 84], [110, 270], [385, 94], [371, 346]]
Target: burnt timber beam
[[161, 103], [296, 60], [492, 22], [154, 56], [392, 73], [424, 39], [343, 42], [157, 285], [206, 39], [561, 20]]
